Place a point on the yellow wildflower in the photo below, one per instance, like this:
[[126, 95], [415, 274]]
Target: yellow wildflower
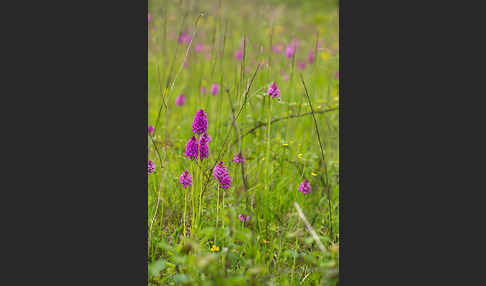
[[314, 174], [285, 145], [300, 156], [214, 248], [325, 55]]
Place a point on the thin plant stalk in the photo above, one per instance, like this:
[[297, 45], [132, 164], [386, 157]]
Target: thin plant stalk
[[217, 216]]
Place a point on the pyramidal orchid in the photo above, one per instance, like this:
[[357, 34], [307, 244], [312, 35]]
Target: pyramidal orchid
[[305, 187], [239, 158], [185, 179], [273, 90], [191, 148], [151, 167], [181, 100], [200, 123], [214, 89]]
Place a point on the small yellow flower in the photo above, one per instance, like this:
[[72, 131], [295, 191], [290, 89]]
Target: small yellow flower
[[299, 156], [325, 55], [263, 159], [314, 174], [285, 145], [214, 248], [266, 241]]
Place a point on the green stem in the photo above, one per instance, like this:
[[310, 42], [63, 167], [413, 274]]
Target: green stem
[[185, 210], [217, 216]]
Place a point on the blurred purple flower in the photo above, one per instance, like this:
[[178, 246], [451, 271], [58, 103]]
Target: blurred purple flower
[[204, 90], [184, 37], [149, 17], [290, 50], [336, 75], [311, 57], [150, 129], [239, 158], [285, 77], [301, 66], [198, 48], [243, 218], [239, 54], [181, 100], [214, 89]]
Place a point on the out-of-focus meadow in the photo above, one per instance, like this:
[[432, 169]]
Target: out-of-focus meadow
[[222, 57]]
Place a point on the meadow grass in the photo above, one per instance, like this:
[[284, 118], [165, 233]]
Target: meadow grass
[[195, 235]]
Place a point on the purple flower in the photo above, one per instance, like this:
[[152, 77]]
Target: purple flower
[[239, 158], [301, 66], [204, 90], [289, 51], [243, 218], [204, 151], [285, 77], [220, 172], [273, 90], [214, 89], [205, 138], [149, 17], [239, 54], [151, 167], [311, 57], [225, 182], [184, 37], [305, 187], [198, 48], [336, 75], [185, 179], [150, 129], [181, 100], [200, 123], [191, 148]]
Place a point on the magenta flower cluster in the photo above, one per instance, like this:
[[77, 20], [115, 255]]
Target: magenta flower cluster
[[305, 187], [220, 173], [238, 158], [151, 167], [185, 179], [243, 218], [273, 90], [199, 126], [192, 148], [184, 37], [214, 89], [181, 100], [200, 123], [150, 129]]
